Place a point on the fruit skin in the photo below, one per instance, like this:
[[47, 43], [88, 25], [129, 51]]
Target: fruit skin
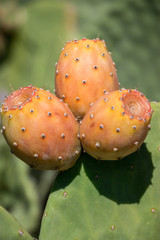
[[40, 129], [116, 125], [84, 72]]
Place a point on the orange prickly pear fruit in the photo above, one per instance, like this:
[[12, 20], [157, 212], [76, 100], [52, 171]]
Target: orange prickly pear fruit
[[85, 72], [116, 125], [40, 129]]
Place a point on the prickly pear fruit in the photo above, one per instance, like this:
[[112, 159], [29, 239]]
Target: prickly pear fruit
[[116, 125], [83, 65], [40, 129]]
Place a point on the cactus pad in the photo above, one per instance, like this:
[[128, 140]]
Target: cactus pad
[[108, 199], [10, 228]]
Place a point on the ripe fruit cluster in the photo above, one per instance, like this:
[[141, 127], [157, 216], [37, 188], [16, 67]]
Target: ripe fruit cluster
[[46, 131]]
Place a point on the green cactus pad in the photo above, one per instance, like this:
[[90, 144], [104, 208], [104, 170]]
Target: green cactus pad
[[10, 229], [115, 200]]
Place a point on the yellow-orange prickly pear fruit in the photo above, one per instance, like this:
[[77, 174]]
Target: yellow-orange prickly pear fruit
[[40, 129], [116, 125], [84, 72]]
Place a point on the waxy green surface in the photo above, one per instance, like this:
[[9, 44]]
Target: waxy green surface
[[10, 228], [115, 200]]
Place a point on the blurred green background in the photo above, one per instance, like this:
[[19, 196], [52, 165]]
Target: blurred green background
[[32, 34]]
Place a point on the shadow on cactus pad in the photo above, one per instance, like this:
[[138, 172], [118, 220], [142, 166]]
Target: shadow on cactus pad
[[124, 181], [68, 176]]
